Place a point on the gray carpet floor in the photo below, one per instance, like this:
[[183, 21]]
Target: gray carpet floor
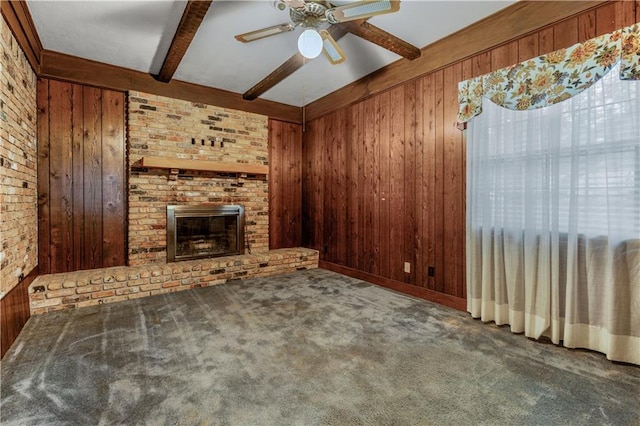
[[309, 348]]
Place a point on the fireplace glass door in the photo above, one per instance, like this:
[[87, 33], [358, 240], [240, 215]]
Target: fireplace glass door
[[195, 232]]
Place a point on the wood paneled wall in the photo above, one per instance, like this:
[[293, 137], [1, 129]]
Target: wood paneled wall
[[384, 178], [14, 312], [285, 184], [81, 177]]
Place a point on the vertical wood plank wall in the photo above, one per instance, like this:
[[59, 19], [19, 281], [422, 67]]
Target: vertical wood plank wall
[[14, 312], [384, 179], [81, 177], [285, 184]]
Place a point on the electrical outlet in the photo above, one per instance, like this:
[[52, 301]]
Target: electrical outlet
[[407, 267], [432, 271]]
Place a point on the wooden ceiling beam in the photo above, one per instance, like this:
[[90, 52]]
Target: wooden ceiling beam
[[290, 66], [192, 17], [383, 39]]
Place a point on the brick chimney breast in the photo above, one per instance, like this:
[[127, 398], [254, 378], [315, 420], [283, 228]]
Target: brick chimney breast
[[167, 128]]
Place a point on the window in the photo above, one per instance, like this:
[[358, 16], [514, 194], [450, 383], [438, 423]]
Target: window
[[573, 166]]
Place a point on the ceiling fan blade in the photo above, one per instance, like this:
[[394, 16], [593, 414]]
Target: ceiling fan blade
[[289, 67], [265, 32], [362, 10], [331, 50]]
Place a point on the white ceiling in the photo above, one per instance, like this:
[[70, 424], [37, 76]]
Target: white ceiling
[[136, 34]]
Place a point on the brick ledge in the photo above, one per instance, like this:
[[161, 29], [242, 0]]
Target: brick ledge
[[55, 292]]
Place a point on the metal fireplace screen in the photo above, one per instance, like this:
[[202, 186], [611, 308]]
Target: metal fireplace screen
[[195, 232]]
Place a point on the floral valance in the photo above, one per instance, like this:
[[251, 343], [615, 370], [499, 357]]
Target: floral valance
[[554, 77]]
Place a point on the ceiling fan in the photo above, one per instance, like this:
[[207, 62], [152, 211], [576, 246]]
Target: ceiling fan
[[316, 17]]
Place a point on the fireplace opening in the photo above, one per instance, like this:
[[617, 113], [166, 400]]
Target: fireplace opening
[[196, 232]]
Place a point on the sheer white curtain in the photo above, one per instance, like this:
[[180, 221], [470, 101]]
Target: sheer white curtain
[[553, 219]]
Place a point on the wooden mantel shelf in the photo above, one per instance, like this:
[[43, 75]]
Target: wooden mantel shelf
[[203, 165]]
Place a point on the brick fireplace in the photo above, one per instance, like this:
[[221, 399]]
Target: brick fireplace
[[175, 129], [180, 132]]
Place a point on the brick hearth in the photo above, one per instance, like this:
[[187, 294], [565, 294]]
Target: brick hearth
[[69, 290]]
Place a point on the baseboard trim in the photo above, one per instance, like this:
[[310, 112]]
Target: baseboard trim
[[421, 292], [15, 311]]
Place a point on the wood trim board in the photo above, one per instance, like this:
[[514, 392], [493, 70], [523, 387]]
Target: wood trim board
[[17, 16], [507, 24], [420, 292], [64, 67]]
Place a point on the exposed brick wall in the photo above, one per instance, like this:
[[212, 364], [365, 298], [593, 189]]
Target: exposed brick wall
[[76, 289], [165, 127], [18, 202]]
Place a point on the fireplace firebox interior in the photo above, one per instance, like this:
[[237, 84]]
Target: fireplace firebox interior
[[196, 232]]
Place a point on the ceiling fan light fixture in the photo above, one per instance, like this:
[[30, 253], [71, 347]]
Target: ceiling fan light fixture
[[310, 44]]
